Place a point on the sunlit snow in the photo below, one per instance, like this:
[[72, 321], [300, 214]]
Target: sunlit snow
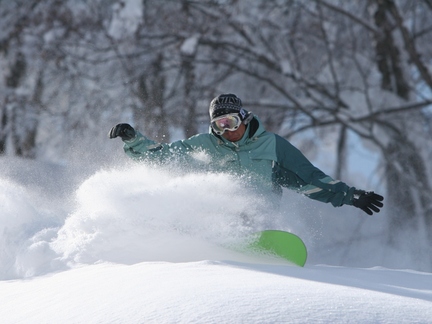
[[139, 244]]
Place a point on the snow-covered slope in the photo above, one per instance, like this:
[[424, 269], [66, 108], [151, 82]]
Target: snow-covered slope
[[145, 245], [218, 292]]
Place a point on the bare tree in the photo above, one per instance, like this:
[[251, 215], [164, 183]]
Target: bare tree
[[19, 99]]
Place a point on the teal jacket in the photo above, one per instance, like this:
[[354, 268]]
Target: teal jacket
[[265, 160]]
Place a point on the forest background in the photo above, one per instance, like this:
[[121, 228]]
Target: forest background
[[348, 82]]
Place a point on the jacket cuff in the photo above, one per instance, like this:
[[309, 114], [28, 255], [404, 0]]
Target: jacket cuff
[[348, 199]]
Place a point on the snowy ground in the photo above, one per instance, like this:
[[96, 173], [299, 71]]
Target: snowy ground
[[218, 292], [139, 245]]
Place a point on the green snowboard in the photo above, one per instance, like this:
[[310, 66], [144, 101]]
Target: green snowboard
[[282, 244]]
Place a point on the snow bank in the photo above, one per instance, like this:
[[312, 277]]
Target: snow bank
[[217, 292]]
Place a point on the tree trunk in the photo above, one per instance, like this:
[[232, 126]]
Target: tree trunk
[[190, 126], [151, 89], [387, 53]]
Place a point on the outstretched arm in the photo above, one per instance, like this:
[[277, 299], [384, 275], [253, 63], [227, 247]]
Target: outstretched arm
[[297, 172], [139, 147]]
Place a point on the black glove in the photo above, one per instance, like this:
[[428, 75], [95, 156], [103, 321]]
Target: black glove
[[125, 131], [368, 201]]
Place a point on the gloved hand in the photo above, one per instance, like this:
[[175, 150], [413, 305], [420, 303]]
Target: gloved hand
[[125, 131], [368, 201]]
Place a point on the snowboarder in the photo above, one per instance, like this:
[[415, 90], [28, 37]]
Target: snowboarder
[[237, 142]]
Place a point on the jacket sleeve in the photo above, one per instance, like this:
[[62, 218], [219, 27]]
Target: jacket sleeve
[[293, 170], [142, 148]]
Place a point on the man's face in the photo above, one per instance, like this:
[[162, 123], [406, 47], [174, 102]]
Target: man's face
[[235, 135]]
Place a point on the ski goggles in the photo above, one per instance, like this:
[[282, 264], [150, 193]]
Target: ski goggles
[[223, 123]]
